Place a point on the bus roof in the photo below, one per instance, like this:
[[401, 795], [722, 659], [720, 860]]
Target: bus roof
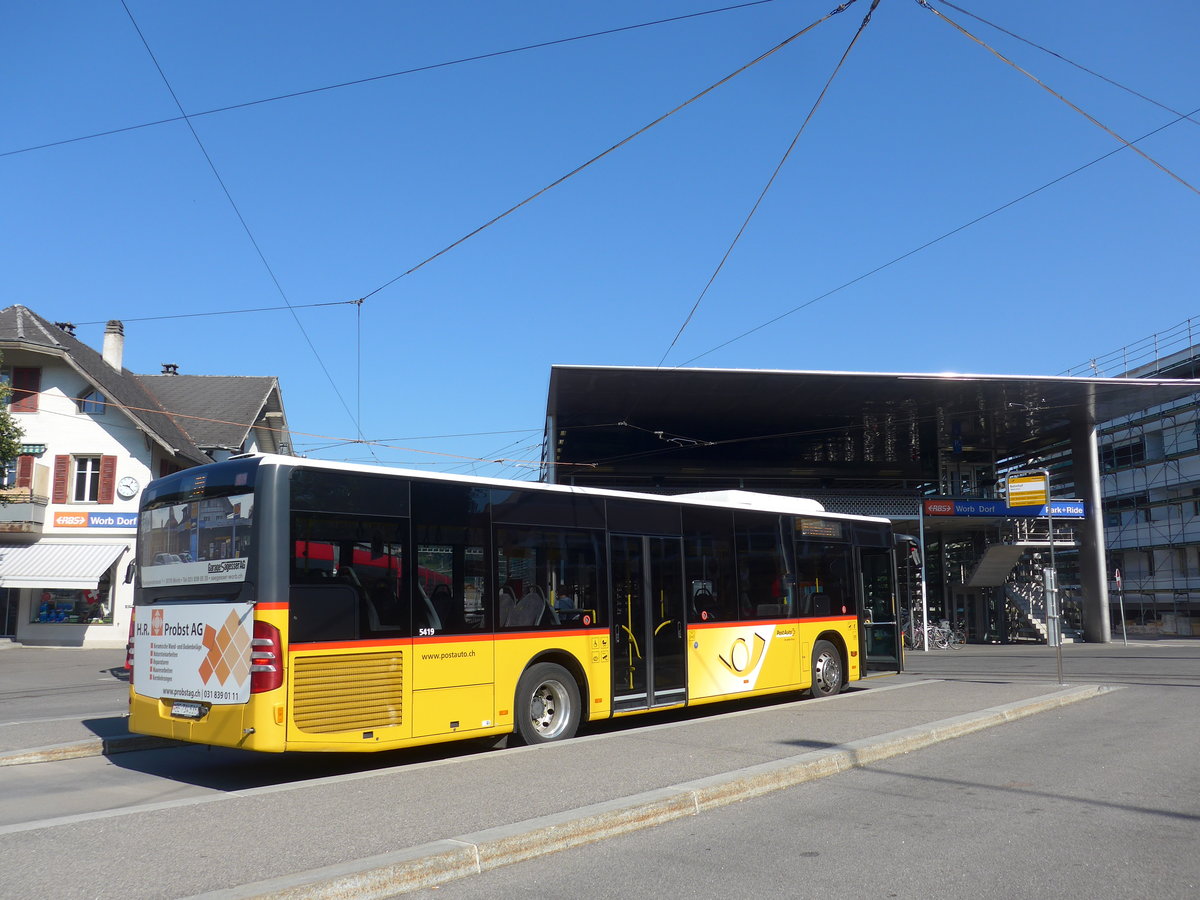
[[731, 499]]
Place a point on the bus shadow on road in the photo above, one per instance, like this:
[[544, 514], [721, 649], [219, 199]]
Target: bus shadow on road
[[228, 769]]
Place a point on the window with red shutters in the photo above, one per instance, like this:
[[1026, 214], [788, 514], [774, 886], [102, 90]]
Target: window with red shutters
[[25, 471], [108, 479], [62, 479], [26, 387]]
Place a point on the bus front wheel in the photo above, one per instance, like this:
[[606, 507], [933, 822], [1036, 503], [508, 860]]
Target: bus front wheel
[[547, 705], [828, 674]]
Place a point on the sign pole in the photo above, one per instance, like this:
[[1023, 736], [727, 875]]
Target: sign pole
[[1054, 580], [1032, 488], [924, 596], [1121, 601]]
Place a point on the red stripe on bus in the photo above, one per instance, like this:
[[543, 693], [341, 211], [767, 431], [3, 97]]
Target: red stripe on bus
[[446, 639], [522, 635], [451, 638], [344, 645]]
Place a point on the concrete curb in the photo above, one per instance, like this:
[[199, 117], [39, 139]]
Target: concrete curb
[[441, 861], [81, 749]]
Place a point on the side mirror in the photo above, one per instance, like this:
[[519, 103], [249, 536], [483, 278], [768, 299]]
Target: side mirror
[[130, 572]]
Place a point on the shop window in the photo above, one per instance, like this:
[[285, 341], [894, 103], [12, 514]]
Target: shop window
[[72, 607]]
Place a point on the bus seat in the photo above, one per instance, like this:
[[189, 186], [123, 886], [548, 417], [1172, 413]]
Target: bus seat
[[442, 600], [424, 615], [529, 610], [374, 621], [507, 602]]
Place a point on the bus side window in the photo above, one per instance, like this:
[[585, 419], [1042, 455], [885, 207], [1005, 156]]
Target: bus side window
[[323, 612], [348, 578], [450, 593], [551, 577]]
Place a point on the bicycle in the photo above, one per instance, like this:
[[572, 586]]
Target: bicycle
[[915, 636], [942, 636]]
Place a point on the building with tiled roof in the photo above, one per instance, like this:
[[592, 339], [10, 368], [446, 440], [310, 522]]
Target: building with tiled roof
[[94, 434], [225, 414]]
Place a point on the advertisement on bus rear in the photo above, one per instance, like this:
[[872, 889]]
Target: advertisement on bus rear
[[193, 651], [170, 572]]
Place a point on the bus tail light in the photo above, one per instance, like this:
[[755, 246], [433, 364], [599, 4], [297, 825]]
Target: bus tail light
[[129, 648], [266, 658]]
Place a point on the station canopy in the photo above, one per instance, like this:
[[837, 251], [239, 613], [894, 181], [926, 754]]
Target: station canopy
[[681, 428]]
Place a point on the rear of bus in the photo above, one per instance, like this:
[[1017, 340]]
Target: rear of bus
[[207, 655]]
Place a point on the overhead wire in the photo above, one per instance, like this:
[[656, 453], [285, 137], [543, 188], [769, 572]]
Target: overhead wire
[[610, 150], [929, 243], [1069, 61], [925, 4], [614, 147], [770, 181], [237, 212], [373, 78], [225, 312], [745, 439], [435, 437], [283, 432], [1180, 116]]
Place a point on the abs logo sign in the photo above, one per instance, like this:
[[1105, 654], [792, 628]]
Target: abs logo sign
[[939, 507], [95, 520]]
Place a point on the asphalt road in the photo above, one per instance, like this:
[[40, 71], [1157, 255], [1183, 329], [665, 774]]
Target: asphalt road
[[1098, 800]]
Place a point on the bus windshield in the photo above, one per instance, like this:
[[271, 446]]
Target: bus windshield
[[196, 541]]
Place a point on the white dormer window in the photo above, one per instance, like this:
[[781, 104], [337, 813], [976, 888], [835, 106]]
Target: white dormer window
[[91, 402]]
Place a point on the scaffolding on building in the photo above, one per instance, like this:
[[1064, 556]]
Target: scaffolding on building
[[1150, 466]]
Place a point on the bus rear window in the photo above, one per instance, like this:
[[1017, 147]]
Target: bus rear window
[[202, 541]]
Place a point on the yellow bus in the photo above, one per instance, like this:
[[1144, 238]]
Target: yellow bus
[[285, 604]]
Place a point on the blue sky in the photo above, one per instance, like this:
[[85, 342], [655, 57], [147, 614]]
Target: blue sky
[[921, 132]]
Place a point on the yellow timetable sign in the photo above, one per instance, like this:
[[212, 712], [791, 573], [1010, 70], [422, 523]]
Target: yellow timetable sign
[[1028, 490]]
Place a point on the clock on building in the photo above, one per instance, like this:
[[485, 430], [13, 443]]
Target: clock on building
[[127, 487]]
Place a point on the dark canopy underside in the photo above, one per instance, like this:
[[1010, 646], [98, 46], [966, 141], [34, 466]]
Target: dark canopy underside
[[635, 425]]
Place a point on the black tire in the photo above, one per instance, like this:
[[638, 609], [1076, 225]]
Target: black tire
[[547, 705], [828, 670]]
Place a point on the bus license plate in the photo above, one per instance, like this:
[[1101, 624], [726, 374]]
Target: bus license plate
[[186, 710]]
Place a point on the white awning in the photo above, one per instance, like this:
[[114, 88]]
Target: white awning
[[51, 565]]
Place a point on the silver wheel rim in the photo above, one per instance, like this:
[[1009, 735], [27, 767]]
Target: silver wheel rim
[[829, 673], [550, 708]]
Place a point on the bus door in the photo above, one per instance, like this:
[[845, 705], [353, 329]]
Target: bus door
[[648, 642], [880, 629]]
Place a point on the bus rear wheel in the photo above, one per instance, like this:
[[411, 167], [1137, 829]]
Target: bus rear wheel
[[547, 704], [828, 673]]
